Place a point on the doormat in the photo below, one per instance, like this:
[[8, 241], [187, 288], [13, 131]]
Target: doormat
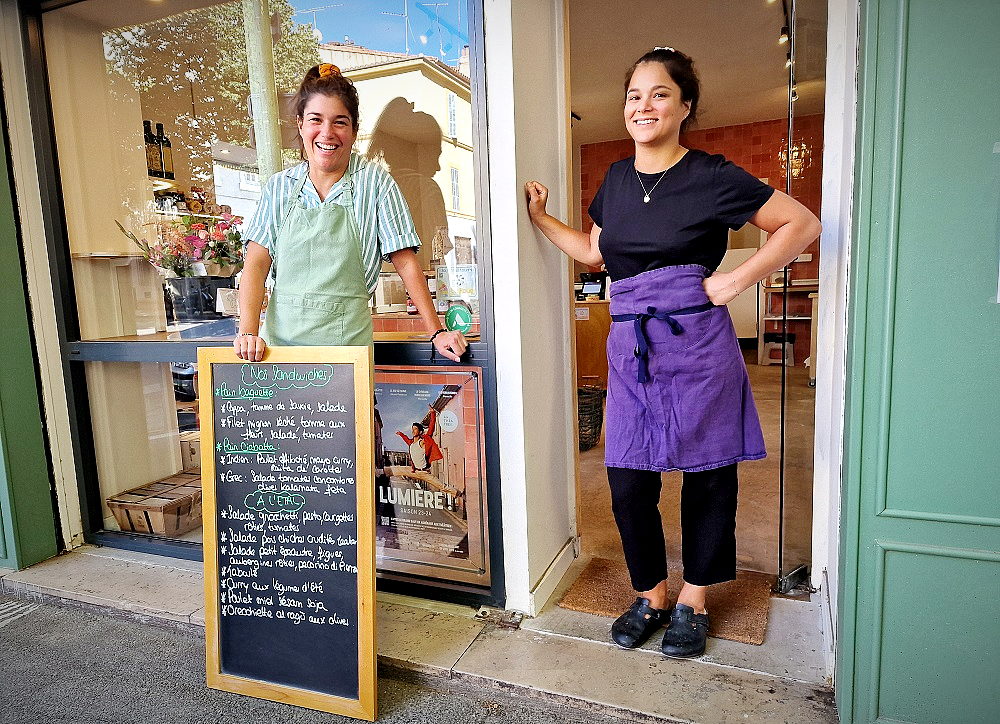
[[737, 609]]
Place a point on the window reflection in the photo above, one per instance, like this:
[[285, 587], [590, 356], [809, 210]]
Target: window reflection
[[154, 128], [178, 141], [408, 142], [416, 120]]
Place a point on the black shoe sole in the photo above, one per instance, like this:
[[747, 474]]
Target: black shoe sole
[[683, 656]]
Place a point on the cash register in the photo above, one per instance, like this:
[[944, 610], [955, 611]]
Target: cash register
[[591, 285]]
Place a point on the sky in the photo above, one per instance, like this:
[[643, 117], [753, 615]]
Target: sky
[[432, 27]]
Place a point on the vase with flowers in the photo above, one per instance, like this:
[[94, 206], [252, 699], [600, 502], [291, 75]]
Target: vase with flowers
[[196, 256], [216, 243]]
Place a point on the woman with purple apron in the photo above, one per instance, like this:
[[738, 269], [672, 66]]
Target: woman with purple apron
[[678, 393]]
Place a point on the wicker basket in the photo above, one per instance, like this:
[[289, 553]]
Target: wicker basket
[[590, 403]]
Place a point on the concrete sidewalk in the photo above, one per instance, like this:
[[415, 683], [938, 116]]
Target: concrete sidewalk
[[560, 656], [71, 666]]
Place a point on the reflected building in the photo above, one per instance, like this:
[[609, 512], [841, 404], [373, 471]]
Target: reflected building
[[416, 119]]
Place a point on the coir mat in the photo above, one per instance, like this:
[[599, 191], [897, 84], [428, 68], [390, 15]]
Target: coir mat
[[737, 609]]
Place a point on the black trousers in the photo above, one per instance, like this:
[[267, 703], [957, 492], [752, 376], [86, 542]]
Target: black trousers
[[708, 525]]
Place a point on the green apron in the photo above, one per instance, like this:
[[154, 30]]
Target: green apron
[[319, 295]]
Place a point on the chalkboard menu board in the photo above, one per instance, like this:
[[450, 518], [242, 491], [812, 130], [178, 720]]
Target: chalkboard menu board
[[289, 530]]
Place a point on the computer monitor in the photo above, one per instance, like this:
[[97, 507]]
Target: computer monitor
[[593, 283]]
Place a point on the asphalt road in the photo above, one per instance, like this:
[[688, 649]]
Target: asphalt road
[[60, 664]]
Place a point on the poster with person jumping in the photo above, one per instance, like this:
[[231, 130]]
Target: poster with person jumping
[[429, 512]]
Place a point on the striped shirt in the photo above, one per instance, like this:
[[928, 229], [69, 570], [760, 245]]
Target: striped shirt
[[384, 221]]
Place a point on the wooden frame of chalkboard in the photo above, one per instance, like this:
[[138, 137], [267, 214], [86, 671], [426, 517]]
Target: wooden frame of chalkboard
[[289, 533]]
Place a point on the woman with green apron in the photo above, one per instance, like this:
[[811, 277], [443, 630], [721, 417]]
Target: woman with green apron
[[322, 229]]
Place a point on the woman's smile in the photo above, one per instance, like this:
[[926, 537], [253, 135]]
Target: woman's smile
[[653, 109], [328, 134]]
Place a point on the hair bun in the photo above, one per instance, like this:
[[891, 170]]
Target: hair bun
[[328, 69]]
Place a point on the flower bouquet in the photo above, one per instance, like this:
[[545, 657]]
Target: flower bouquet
[[181, 244], [196, 258], [217, 244]]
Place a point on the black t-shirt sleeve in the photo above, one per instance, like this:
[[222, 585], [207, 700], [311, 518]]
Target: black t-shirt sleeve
[[739, 194], [596, 208]]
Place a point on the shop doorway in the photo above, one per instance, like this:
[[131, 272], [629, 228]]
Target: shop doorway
[[762, 69]]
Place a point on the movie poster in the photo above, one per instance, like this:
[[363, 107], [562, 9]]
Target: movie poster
[[429, 503]]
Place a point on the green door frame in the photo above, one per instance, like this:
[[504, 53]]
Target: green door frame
[[920, 533], [28, 527]]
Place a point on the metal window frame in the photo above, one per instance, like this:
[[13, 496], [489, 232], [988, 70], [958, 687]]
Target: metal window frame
[[452, 115], [78, 352]]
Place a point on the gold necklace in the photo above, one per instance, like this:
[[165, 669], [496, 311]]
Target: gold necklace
[[645, 198]]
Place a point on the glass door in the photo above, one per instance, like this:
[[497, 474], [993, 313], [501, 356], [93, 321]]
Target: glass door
[[795, 290]]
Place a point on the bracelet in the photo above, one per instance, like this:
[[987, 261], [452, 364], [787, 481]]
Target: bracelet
[[735, 288], [247, 334], [436, 334]]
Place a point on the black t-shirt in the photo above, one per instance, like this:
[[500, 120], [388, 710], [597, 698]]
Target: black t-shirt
[[686, 219]]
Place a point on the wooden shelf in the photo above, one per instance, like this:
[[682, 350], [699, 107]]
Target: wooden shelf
[[791, 288], [766, 315], [107, 255]]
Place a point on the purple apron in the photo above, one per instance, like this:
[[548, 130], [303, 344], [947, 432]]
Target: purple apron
[[678, 393]]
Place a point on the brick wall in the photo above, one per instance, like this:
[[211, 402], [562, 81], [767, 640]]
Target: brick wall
[[402, 322]]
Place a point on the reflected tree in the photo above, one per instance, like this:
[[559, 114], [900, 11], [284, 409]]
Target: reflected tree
[[190, 73]]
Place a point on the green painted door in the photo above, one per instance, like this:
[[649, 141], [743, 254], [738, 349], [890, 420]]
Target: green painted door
[[27, 518], [920, 567]]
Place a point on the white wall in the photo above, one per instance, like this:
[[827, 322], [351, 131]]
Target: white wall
[[835, 243], [526, 70]]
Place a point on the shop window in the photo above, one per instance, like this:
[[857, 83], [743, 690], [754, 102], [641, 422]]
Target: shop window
[[156, 150]]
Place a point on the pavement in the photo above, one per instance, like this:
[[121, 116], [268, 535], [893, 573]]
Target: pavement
[[101, 635], [63, 664]]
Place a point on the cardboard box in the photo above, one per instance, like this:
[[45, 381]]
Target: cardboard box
[[171, 506], [390, 294], [191, 450]]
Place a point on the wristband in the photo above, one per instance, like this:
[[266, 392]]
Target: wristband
[[436, 334], [247, 334]]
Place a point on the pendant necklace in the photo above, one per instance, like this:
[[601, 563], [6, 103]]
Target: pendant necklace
[[645, 198]]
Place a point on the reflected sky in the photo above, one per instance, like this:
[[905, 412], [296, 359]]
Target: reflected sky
[[429, 28]]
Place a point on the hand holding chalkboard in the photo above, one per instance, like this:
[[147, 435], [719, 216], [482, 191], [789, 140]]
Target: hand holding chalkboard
[[249, 346]]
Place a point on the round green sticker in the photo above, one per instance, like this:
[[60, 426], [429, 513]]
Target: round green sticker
[[458, 317]]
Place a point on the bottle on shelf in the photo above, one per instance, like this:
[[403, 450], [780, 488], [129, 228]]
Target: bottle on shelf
[[166, 154], [154, 164]]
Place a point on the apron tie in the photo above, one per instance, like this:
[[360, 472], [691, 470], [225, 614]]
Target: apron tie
[[642, 341]]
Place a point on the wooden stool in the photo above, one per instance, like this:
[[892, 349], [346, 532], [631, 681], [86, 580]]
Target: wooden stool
[[775, 341]]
